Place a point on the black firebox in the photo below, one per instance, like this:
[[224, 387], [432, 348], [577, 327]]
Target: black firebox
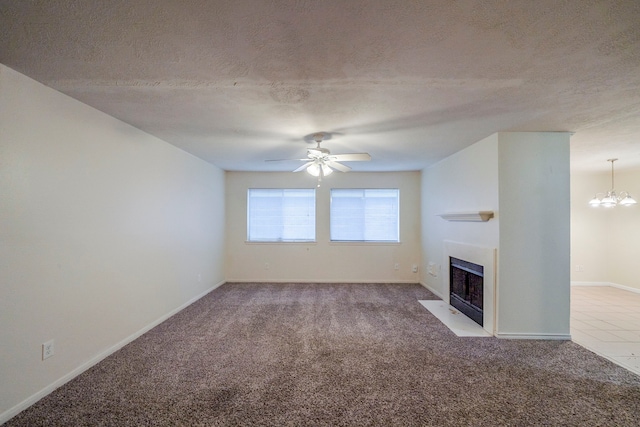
[[466, 286]]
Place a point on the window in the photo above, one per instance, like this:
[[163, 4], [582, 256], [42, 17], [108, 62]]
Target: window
[[365, 215], [281, 215]]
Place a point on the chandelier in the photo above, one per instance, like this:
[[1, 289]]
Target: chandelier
[[610, 198]]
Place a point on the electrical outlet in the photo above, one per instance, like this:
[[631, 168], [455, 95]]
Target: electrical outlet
[[266, 265], [47, 350], [414, 268], [199, 277], [396, 266], [579, 268]]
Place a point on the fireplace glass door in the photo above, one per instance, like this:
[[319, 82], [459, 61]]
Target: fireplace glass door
[[466, 288]]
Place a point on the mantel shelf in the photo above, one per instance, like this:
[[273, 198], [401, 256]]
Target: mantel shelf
[[475, 216]]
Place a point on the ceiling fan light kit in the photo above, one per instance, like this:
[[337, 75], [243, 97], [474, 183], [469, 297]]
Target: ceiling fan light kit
[[315, 168], [611, 198], [320, 162]]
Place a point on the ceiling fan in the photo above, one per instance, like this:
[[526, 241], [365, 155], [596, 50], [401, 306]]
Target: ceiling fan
[[320, 162]]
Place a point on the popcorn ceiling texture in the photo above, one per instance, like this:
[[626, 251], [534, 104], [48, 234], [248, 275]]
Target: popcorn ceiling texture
[[237, 81]]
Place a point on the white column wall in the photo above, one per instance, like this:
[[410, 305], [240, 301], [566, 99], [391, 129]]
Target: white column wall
[[104, 231], [534, 251]]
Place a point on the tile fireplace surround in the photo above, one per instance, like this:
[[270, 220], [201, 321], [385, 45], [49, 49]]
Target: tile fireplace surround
[[486, 257]]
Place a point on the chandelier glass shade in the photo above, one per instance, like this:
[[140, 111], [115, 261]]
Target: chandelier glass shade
[[611, 198]]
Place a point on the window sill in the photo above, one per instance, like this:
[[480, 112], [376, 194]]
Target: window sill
[[283, 242], [353, 243]]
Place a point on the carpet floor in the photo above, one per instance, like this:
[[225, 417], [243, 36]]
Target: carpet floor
[[336, 355]]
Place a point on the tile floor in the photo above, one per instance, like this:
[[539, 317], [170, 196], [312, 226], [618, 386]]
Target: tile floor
[[606, 320]]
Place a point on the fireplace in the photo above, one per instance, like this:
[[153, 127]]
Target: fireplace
[[482, 256], [466, 288]]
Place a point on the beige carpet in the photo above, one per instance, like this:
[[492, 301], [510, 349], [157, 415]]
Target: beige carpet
[[336, 355]]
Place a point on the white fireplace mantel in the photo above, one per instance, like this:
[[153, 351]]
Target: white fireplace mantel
[[474, 216]]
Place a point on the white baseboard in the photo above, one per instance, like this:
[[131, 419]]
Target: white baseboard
[[613, 285], [590, 283], [319, 281], [437, 293], [15, 410], [626, 288], [530, 336]]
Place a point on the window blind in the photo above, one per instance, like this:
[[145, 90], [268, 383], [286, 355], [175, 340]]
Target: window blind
[[365, 215], [281, 215]]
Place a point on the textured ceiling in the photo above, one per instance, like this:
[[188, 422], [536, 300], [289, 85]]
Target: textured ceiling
[[236, 82]]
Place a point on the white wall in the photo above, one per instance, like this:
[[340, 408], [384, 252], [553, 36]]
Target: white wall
[[625, 234], [534, 251], [524, 178], [322, 261], [465, 181], [605, 242], [104, 230], [590, 237]]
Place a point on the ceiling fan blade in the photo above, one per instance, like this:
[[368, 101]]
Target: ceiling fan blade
[[353, 157], [287, 160], [303, 167], [338, 166]]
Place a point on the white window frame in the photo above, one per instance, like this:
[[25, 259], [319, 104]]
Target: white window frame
[[336, 236], [283, 235]]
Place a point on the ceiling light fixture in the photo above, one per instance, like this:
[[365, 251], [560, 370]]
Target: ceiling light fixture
[[318, 165], [320, 162], [610, 198]]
